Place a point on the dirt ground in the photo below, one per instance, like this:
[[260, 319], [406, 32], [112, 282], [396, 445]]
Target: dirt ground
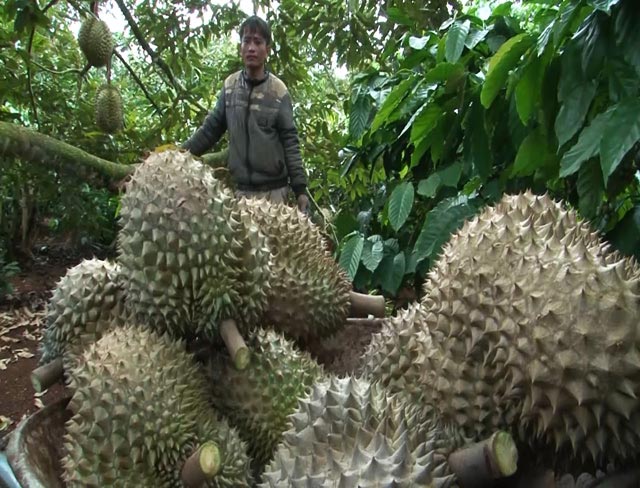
[[22, 322]]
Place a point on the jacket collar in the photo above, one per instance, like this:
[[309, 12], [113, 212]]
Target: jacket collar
[[251, 81]]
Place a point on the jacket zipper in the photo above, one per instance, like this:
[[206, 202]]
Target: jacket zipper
[[246, 128]]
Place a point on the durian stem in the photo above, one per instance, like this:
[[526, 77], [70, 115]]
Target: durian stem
[[235, 343], [364, 305], [362, 322], [46, 375], [480, 463], [202, 465]]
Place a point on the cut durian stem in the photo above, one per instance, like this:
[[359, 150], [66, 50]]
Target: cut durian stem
[[480, 463], [202, 465], [362, 322], [236, 346], [46, 375], [364, 305]]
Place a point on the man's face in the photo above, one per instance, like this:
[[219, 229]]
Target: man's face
[[253, 49]]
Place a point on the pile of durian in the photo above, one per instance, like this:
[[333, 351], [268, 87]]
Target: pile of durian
[[185, 362]]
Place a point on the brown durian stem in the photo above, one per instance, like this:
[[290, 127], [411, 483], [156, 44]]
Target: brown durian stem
[[364, 305], [202, 465], [46, 375], [479, 464], [235, 343], [362, 322]]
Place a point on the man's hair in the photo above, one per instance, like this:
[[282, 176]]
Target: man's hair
[[256, 24]]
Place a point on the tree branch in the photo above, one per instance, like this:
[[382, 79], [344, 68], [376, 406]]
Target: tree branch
[[31, 146], [154, 56], [31, 95], [137, 80], [54, 72]]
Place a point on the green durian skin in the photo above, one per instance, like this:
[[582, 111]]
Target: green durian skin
[[96, 41], [140, 407], [109, 109], [259, 399]]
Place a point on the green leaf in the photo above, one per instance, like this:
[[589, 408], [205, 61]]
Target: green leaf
[[451, 174], [418, 43], [351, 254], [393, 100], [429, 187], [588, 145], [531, 154], [529, 89], [475, 37], [573, 111], [443, 72], [590, 188], [392, 272], [621, 133], [623, 80], [604, 5], [456, 38], [500, 64], [359, 116], [372, 253], [400, 204], [424, 122], [476, 142], [625, 236], [440, 223]]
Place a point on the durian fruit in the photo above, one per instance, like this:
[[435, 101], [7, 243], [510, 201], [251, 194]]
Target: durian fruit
[[109, 114], [259, 399], [86, 302], [96, 41], [533, 325], [190, 258], [140, 409], [397, 354], [310, 293], [353, 433]]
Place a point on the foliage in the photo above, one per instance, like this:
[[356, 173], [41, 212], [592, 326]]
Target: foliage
[[7, 270], [484, 106]]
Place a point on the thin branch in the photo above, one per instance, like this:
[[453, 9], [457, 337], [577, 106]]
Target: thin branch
[[137, 80], [54, 72], [154, 56], [31, 95], [49, 5]]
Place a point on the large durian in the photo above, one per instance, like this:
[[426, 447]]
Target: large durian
[[532, 323], [140, 408], [190, 258], [86, 302], [96, 41], [352, 433], [259, 399], [310, 293], [109, 114]]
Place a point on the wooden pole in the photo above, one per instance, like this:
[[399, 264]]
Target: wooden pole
[[46, 375], [479, 464], [235, 344], [364, 305], [202, 465]]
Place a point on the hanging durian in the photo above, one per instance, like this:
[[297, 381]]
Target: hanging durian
[[96, 41], [190, 258], [140, 409], [310, 293], [259, 399], [109, 113]]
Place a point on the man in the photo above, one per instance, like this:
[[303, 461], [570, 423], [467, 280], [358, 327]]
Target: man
[[255, 107]]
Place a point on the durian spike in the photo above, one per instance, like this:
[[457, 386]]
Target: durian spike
[[476, 465], [235, 343], [202, 465], [46, 375], [364, 305]]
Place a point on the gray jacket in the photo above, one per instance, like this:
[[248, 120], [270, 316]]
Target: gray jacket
[[264, 152]]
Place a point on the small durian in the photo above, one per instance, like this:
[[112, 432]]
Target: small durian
[[259, 399], [140, 408], [109, 111], [96, 41]]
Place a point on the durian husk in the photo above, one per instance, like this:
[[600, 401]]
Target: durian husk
[[96, 41], [86, 302], [309, 294], [259, 399], [140, 408], [353, 433], [531, 325], [192, 260], [109, 111]]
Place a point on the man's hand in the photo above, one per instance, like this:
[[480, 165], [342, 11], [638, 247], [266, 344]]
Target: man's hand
[[303, 203]]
